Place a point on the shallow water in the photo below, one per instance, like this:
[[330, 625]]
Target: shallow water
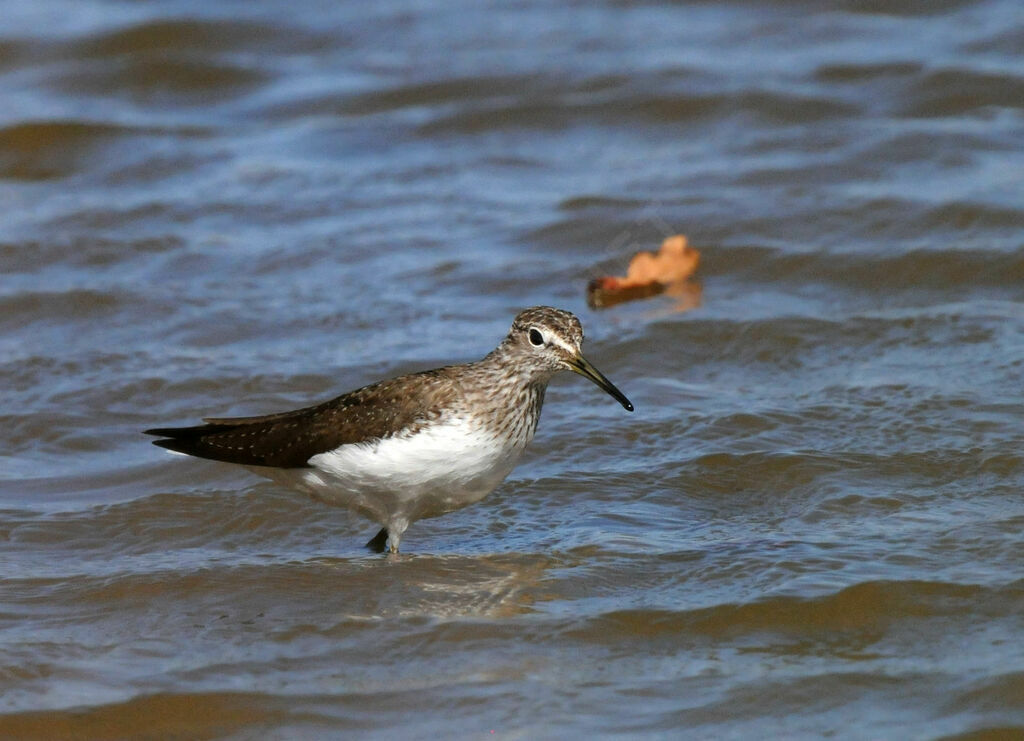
[[810, 526]]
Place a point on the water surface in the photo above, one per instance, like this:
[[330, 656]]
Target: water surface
[[810, 526]]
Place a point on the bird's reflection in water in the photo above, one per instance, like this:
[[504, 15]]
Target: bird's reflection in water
[[492, 585]]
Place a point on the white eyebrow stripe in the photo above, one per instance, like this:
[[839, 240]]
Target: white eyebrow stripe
[[556, 340]]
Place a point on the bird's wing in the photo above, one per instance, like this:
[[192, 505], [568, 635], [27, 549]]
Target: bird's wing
[[290, 439]]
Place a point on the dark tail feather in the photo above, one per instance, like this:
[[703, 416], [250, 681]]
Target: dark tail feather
[[172, 431], [188, 440], [183, 433], [378, 543], [251, 444]]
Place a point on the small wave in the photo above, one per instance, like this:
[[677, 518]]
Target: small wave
[[161, 81], [839, 73], [44, 150], [85, 251], [956, 92], [1007, 42], [218, 517], [52, 149], [23, 309], [559, 111], [945, 269], [904, 8], [199, 35], [580, 203], [870, 606], [441, 92], [11, 53], [186, 715], [1001, 693]]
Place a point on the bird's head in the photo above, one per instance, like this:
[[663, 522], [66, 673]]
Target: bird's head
[[551, 340]]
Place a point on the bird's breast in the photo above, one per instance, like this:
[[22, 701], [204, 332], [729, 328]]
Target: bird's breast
[[443, 466]]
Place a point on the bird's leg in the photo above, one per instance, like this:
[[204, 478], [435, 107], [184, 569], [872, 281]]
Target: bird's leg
[[396, 527], [378, 542]]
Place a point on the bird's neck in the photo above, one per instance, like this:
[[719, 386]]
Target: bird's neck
[[507, 394], [505, 370]]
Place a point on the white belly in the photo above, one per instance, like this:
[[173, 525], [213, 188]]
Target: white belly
[[407, 478]]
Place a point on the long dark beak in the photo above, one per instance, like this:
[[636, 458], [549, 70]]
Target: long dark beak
[[581, 365]]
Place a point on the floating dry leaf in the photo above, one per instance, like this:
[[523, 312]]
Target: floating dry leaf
[[648, 275]]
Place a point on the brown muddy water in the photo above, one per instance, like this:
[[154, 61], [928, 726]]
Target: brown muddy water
[[810, 527]]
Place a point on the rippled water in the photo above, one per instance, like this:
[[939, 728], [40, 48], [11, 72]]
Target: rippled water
[[810, 526]]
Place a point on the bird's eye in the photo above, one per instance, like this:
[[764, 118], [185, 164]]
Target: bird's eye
[[536, 338]]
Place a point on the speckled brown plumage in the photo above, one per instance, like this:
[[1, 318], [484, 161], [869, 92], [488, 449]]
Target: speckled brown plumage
[[410, 447], [290, 439], [504, 390]]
